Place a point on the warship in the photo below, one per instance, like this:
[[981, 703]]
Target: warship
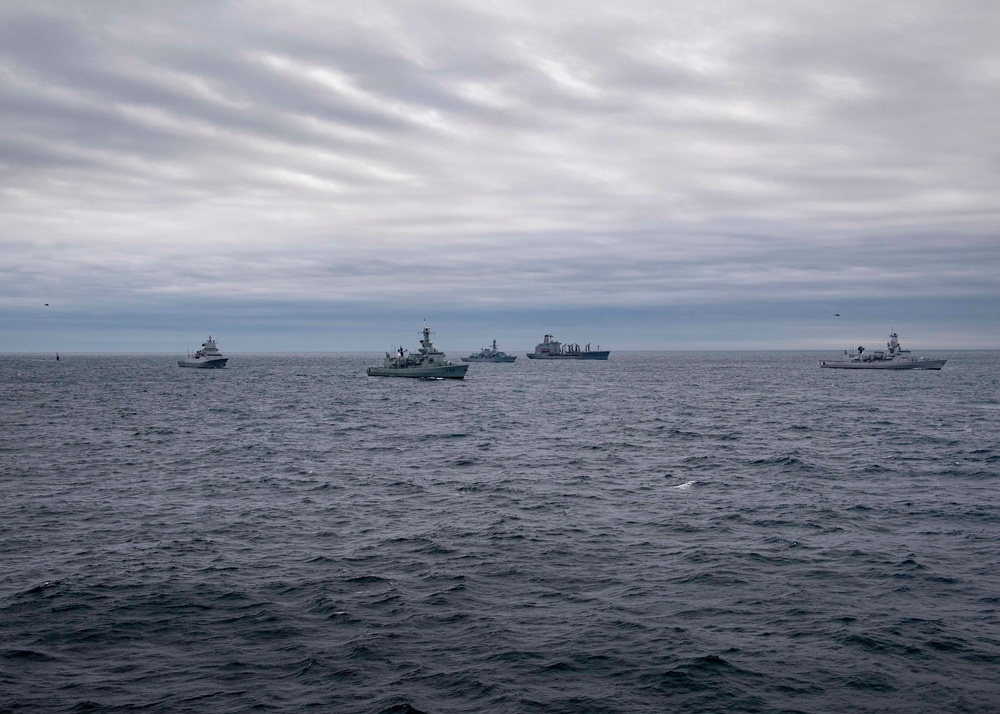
[[490, 354], [426, 363], [208, 357], [893, 357], [550, 348]]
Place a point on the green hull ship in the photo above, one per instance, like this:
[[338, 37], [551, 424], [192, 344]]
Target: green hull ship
[[426, 363]]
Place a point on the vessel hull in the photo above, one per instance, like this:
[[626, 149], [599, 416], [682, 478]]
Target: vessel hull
[[914, 364], [489, 359], [213, 363], [452, 371], [603, 354]]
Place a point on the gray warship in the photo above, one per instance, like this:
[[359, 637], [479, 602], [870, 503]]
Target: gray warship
[[208, 357], [550, 348], [427, 363], [490, 354], [893, 357]]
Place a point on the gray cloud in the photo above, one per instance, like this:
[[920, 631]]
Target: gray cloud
[[644, 155]]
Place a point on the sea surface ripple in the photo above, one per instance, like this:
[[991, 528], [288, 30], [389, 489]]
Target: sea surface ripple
[[699, 532]]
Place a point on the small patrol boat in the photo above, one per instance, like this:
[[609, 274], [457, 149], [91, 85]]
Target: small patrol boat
[[550, 348], [490, 354], [426, 363], [208, 357], [893, 357]]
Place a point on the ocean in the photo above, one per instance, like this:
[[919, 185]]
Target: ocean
[[664, 531]]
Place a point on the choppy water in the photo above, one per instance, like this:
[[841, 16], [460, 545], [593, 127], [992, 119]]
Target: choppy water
[[661, 532]]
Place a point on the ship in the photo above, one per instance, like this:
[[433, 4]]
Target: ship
[[490, 354], [208, 357], [426, 363], [893, 357], [550, 348]]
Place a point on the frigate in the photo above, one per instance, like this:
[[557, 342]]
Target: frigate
[[893, 357], [426, 363], [208, 357], [490, 354]]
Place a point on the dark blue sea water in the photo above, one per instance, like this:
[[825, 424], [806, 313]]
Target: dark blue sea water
[[698, 532]]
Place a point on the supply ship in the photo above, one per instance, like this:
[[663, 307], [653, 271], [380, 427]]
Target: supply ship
[[550, 348]]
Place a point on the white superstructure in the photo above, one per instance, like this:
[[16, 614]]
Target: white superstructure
[[207, 357]]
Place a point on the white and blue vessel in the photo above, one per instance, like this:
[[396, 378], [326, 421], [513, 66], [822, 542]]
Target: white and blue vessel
[[550, 348]]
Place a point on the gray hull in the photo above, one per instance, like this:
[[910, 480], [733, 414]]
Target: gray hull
[[888, 364], [489, 359], [211, 363], [892, 357], [451, 371], [603, 354]]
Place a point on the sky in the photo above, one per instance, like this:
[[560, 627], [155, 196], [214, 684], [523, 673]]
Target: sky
[[326, 176]]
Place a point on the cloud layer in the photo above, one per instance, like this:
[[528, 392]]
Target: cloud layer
[[508, 155]]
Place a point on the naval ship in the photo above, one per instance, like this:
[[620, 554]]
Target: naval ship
[[427, 363], [208, 357], [550, 348], [490, 354], [893, 357]]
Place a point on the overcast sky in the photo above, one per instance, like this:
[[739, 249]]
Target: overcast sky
[[667, 175]]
